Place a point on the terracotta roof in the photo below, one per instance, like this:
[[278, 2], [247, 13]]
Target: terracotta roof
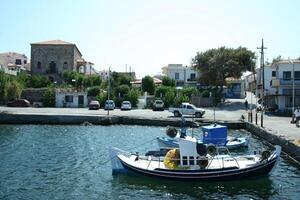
[[54, 42]]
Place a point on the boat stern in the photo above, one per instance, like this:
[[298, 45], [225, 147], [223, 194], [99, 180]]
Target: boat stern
[[116, 165]]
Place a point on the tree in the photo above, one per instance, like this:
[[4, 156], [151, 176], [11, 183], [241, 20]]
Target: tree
[[37, 81], [94, 91], [133, 97], [215, 65], [13, 90], [148, 84], [169, 98], [124, 80], [93, 80], [122, 90], [167, 81], [102, 97], [49, 97], [277, 59], [180, 99], [3, 84], [189, 91]]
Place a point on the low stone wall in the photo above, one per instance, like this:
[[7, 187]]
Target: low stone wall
[[6, 118], [287, 146], [33, 94]]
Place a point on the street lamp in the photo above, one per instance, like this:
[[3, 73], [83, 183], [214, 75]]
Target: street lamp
[[293, 107]]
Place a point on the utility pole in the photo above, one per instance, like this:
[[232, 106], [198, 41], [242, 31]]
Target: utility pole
[[262, 66], [108, 91], [293, 72]]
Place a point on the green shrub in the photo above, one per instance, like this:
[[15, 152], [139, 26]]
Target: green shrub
[[13, 90], [94, 91], [180, 99], [102, 97], [205, 93], [133, 97], [169, 98], [49, 97]]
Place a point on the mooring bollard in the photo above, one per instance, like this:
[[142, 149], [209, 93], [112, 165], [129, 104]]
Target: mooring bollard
[[256, 118]]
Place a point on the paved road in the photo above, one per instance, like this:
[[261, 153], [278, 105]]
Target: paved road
[[219, 113], [232, 109]]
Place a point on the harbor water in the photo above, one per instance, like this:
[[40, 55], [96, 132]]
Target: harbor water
[[72, 162]]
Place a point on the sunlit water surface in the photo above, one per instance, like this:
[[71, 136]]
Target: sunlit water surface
[[70, 162]]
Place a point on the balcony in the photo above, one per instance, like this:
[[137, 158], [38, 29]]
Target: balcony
[[191, 80], [277, 82]]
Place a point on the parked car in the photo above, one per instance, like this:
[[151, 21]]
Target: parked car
[[19, 103], [109, 105], [187, 109], [94, 105], [158, 105], [126, 105]]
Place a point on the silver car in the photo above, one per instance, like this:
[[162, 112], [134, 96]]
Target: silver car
[[126, 105]]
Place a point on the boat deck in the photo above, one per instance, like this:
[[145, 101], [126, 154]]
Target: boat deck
[[221, 161]]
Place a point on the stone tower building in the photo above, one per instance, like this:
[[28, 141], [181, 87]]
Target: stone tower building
[[52, 58]]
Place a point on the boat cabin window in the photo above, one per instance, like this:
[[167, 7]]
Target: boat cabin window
[[184, 160], [192, 161]]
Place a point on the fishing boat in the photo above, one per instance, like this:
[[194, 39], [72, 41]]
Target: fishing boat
[[194, 161], [212, 134]]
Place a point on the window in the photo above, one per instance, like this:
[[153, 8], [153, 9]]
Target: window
[[273, 73], [287, 75], [184, 160], [193, 76], [297, 75], [25, 62], [287, 91], [69, 98], [288, 101], [18, 62], [192, 161], [189, 107], [52, 67], [39, 65], [176, 75], [65, 65]]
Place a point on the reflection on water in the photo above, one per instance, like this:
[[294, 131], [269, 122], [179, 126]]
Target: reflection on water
[[70, 162], [259, 188]]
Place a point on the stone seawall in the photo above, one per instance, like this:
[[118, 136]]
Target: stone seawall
[[85, 119], [287, 146], [6, 118]]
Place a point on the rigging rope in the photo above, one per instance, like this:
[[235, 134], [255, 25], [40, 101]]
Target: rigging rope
[[106, 161]]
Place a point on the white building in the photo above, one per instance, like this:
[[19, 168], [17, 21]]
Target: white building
[[70, 99], [183, 75], [104, 74], [279, 84], [12, 62]]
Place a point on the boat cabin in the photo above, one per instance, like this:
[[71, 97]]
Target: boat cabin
[[215, 134]]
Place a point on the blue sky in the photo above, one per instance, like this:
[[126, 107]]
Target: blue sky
[[148, 35]]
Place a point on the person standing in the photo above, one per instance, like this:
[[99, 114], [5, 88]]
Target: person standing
[[297, 115], [246, 104]]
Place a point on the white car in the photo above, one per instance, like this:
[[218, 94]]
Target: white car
[[187, 109], [126, 105], [158, 105]]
